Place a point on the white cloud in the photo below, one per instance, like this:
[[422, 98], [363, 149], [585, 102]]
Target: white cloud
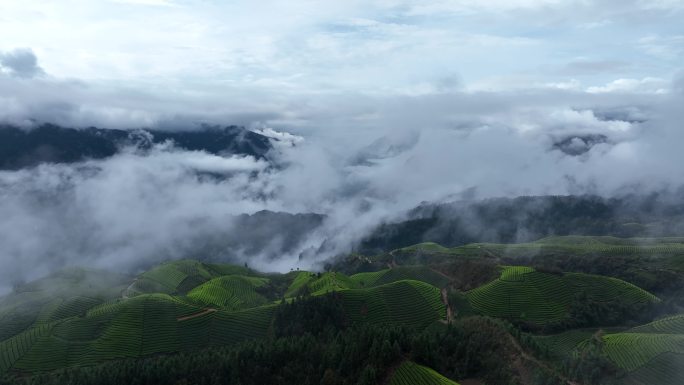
[[165, 3], [466, 6], [304, 45], [572, 84], [645, 85], [665, 47]]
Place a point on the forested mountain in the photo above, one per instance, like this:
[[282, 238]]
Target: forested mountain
[[49, 143], [525, 219]]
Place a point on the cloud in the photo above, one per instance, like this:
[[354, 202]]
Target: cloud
[[357, 158], [645, 85], [594, 66], [378, 46], [20, 62], [123, 212], [378, 106], [664, 47], [163, 3]]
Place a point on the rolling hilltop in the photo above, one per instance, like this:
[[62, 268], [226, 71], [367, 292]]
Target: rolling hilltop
[[424, 314]]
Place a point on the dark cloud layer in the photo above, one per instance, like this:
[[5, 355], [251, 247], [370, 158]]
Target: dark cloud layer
[[21, 62]]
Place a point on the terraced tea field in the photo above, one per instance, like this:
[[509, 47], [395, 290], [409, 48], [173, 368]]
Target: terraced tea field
[[652, 354], [670, 248], [411, 303], [667, 325], [410, 373], [179, 277], [188, 305], [521, 293], [399, 273], [299, 282], [232, 292], [329, 282], [665, 369], [317, 284], [631, 351], [562, 345]]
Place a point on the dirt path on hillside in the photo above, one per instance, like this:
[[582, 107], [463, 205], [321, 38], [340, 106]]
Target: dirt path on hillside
[[523, 354], [191, 316], [124, 293], [445, 301]]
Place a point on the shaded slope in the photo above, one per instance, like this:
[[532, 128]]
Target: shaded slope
[[410, 303], [523, 294], [232, 292], [410, 373]]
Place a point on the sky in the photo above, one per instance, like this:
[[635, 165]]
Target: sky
[[390, 103], [303, 50]]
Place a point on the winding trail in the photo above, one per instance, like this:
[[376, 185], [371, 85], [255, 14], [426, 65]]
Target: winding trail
[[523, 354], [445, 301], [191, 316]]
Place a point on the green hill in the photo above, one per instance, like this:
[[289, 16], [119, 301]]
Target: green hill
[[316, 284], [418, 273], [561, 345], [81, 332], [232, 292], [664, 369], [144, 325], [411, 303], [410, 373], [521, 293], [179, 277], [651, 354], [60, 295], [81, 318], [631, 351], [668, 325], [669, 247]]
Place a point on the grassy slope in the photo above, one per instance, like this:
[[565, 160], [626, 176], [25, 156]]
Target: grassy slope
[[411, 303], [672, 249], [560, 346], [82, 332], [651, 354], [146, 324], [521, 293], [179, 277], [231, 292], [410, 373], [418, 273], [61, 295]]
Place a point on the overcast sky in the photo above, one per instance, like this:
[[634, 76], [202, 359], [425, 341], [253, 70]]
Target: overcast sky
[[378, 47]]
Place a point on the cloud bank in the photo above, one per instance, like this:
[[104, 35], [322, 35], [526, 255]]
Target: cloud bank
[[138, 208], [377, 107]]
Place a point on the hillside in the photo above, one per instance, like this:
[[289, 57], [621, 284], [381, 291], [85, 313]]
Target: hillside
[[410, 373], [192, 310], [529, 218], [523, 294], [515, 324], [651, 354]]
